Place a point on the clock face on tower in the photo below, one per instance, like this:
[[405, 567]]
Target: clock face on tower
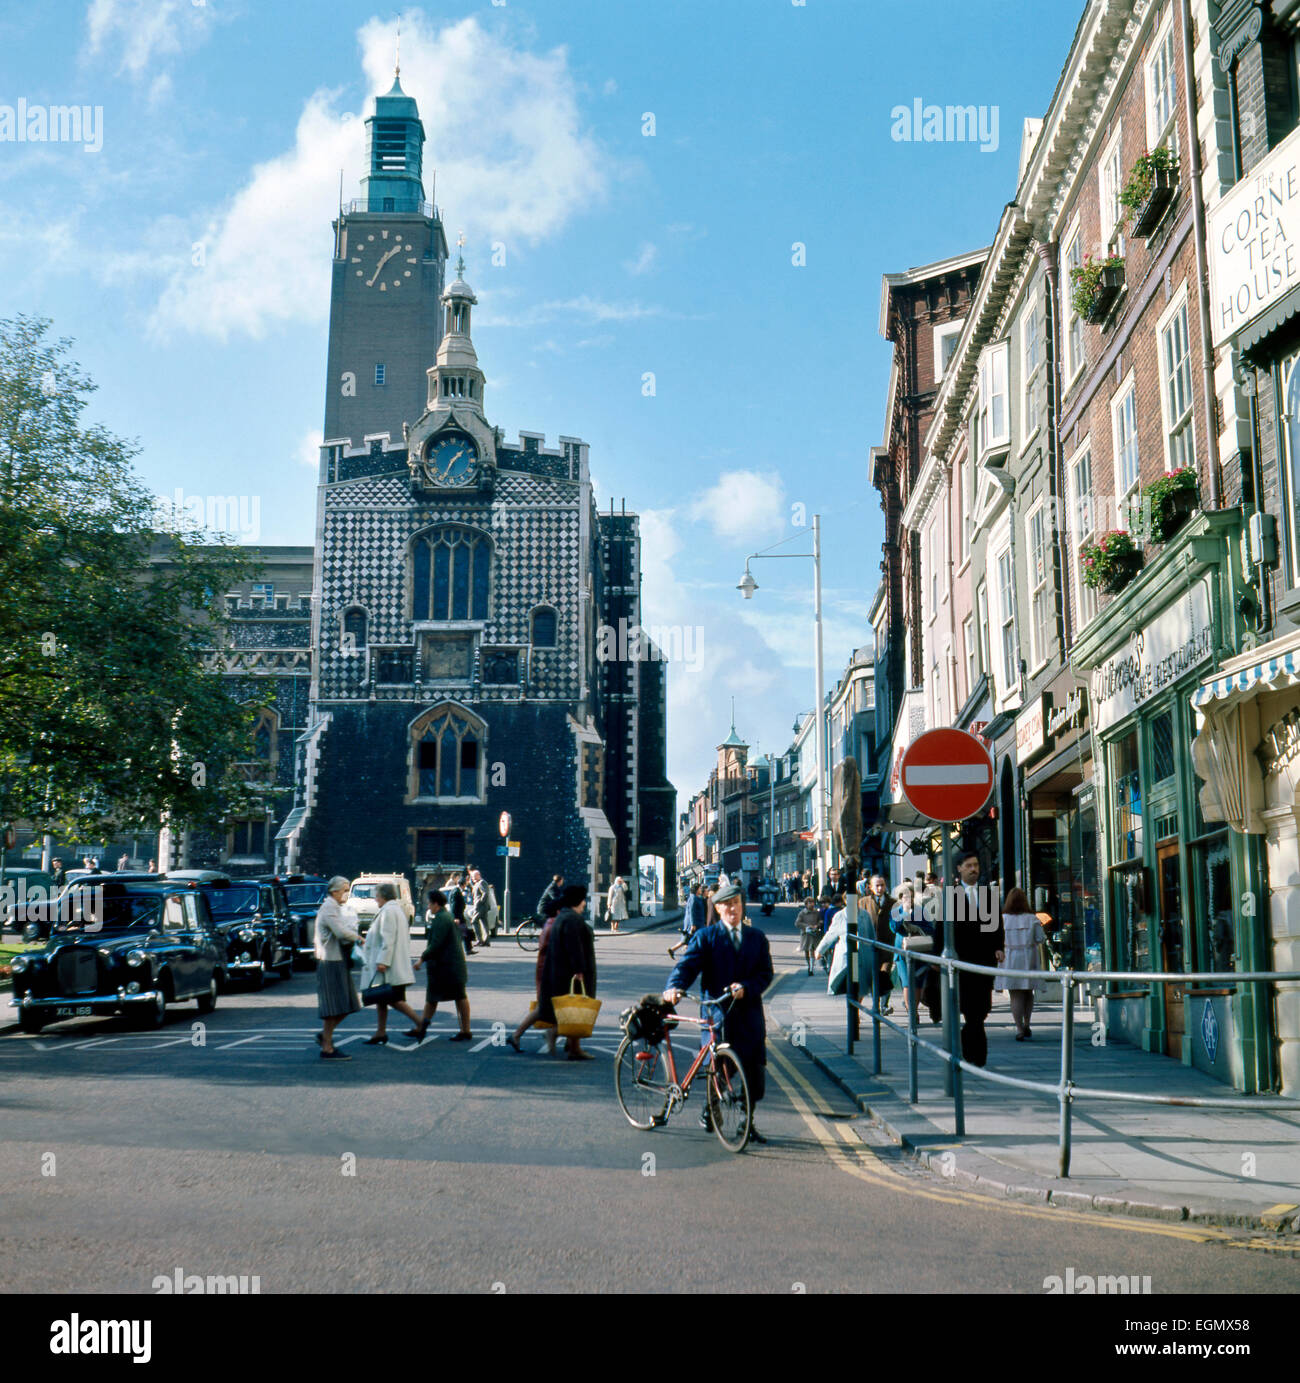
[[383, 260], [452, 459]]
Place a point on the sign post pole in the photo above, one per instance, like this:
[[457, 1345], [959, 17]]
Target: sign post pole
[[503, 825]]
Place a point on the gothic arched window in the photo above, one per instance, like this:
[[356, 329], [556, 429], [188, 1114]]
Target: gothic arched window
[[266, 726], [448, 754], [354, 629], [451, 574], [545, 623]]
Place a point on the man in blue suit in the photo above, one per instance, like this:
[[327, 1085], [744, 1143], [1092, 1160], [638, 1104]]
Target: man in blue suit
[[734, 959]]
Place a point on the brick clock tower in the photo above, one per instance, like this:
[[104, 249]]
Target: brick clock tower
[[390, 256]]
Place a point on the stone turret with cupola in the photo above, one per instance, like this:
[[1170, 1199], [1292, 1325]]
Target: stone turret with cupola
[[452, 446]]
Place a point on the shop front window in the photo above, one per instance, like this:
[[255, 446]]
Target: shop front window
[[1132, 940], [1128, 798], [1291, 428], [1215, 938]]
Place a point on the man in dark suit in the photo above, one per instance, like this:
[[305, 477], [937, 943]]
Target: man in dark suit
[[978, 940], [876, 904], [732, 958]]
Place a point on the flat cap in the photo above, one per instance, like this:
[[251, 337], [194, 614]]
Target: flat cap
[[730, 891]]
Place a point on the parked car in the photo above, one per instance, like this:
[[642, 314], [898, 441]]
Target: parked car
[[366, 906], [305, 892], [35, 918], [124, 947], [22, 886], [253, 918]]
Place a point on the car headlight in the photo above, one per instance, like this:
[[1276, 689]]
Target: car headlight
[[20, 964], [31, 932], [136, 958], [248, 934]]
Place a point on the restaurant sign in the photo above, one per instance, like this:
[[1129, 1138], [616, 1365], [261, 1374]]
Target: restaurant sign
[[1170, 646], [1254, 239]]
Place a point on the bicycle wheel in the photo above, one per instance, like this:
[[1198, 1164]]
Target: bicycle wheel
[[641, 1082], [727, 1092], [528, 933]]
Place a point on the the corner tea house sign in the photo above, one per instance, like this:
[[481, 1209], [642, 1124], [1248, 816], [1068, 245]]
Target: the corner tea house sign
[[1175, 642], [1254, 241]]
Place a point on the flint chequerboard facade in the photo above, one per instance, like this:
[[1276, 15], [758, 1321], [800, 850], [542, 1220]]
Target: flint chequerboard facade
[[435, 659]]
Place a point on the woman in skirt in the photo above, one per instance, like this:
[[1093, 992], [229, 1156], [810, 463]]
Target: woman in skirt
[[809, 923], [1024, 935], [336, 994], [445, 980]]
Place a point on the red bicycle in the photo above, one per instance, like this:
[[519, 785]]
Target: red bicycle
[[645, 1075]]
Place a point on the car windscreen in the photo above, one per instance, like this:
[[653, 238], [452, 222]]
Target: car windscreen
[[301, 894], [363, 890], [86, 910], [235, 901]]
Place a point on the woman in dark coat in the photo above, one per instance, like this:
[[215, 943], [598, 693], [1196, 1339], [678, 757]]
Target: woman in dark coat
[[445, 956], [571, 955], [542, 1014]]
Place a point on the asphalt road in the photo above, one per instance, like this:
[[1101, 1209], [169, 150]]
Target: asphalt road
[[126, 1156]]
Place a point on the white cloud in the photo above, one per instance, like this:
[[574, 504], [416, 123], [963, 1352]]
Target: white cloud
[[309, 448], [744, 505], [610, 87], [145, 34], [644, 260], [505, 138], [730, 659]]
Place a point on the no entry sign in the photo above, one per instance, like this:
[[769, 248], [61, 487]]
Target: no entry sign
[[946, 775]]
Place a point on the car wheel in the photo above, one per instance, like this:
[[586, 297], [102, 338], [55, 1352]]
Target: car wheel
[[156, 1014], [30, 1022], [208, 1001]]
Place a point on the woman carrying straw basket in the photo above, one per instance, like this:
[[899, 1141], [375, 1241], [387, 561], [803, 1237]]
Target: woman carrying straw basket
[[571, 957]]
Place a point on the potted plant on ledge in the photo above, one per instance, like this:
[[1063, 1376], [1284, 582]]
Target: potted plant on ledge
[[1171, 501], [1151, 185], [1112, 561], [1096, 283]]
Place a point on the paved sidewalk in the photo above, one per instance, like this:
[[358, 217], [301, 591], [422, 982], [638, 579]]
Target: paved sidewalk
[[1218, 1166]]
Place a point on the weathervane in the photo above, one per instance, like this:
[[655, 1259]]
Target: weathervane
[[460, 258], [397, 67]]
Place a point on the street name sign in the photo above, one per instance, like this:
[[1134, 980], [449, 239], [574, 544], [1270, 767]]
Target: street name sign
[[946, 775]]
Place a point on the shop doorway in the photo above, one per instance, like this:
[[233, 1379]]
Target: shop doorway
[[1172, 951]]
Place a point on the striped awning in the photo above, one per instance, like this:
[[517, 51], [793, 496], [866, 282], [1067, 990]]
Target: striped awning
[[1268, 674]]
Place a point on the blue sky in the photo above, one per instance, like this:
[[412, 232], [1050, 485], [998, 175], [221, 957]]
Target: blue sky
[[189, 258]]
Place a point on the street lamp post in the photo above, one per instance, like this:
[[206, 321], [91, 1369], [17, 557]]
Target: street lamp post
[[747, 587]]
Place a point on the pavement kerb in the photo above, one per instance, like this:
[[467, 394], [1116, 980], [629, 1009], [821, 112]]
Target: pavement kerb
[[942, 1154]]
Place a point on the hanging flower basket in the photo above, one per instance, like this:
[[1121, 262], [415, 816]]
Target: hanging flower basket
[[1172, 499], [1096, 284], [1150, 189], [1111, 562]]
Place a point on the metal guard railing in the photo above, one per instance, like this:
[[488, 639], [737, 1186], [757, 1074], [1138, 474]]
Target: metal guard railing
[[1066, 1090]]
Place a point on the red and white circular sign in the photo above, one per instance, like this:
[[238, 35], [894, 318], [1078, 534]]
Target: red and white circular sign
[[946, 775]]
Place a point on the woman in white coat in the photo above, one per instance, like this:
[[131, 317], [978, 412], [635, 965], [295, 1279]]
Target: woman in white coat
[[837, 935], [386, 959], [616, 905]]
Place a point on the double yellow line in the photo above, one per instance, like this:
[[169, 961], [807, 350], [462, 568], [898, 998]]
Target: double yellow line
[[848, 1152]]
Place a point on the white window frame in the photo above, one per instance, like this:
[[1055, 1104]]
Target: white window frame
[[943, 333], [1163, 52], [963, 517], [1009, 664], [1110, 182], [1072, 242], [971, 652], [1124, 401], [994, 361], [1032, 324], [1038, 582], [1185, 420], [982, 628], [933, 558], [1083, 528]]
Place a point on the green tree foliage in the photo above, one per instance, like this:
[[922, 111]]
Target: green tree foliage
[[107, 603]]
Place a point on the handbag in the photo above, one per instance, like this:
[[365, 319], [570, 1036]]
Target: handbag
[[378, 994], [920, 942], [575, 1014]]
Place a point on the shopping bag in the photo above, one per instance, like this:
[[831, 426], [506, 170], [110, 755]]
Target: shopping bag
[[575, 1014]]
